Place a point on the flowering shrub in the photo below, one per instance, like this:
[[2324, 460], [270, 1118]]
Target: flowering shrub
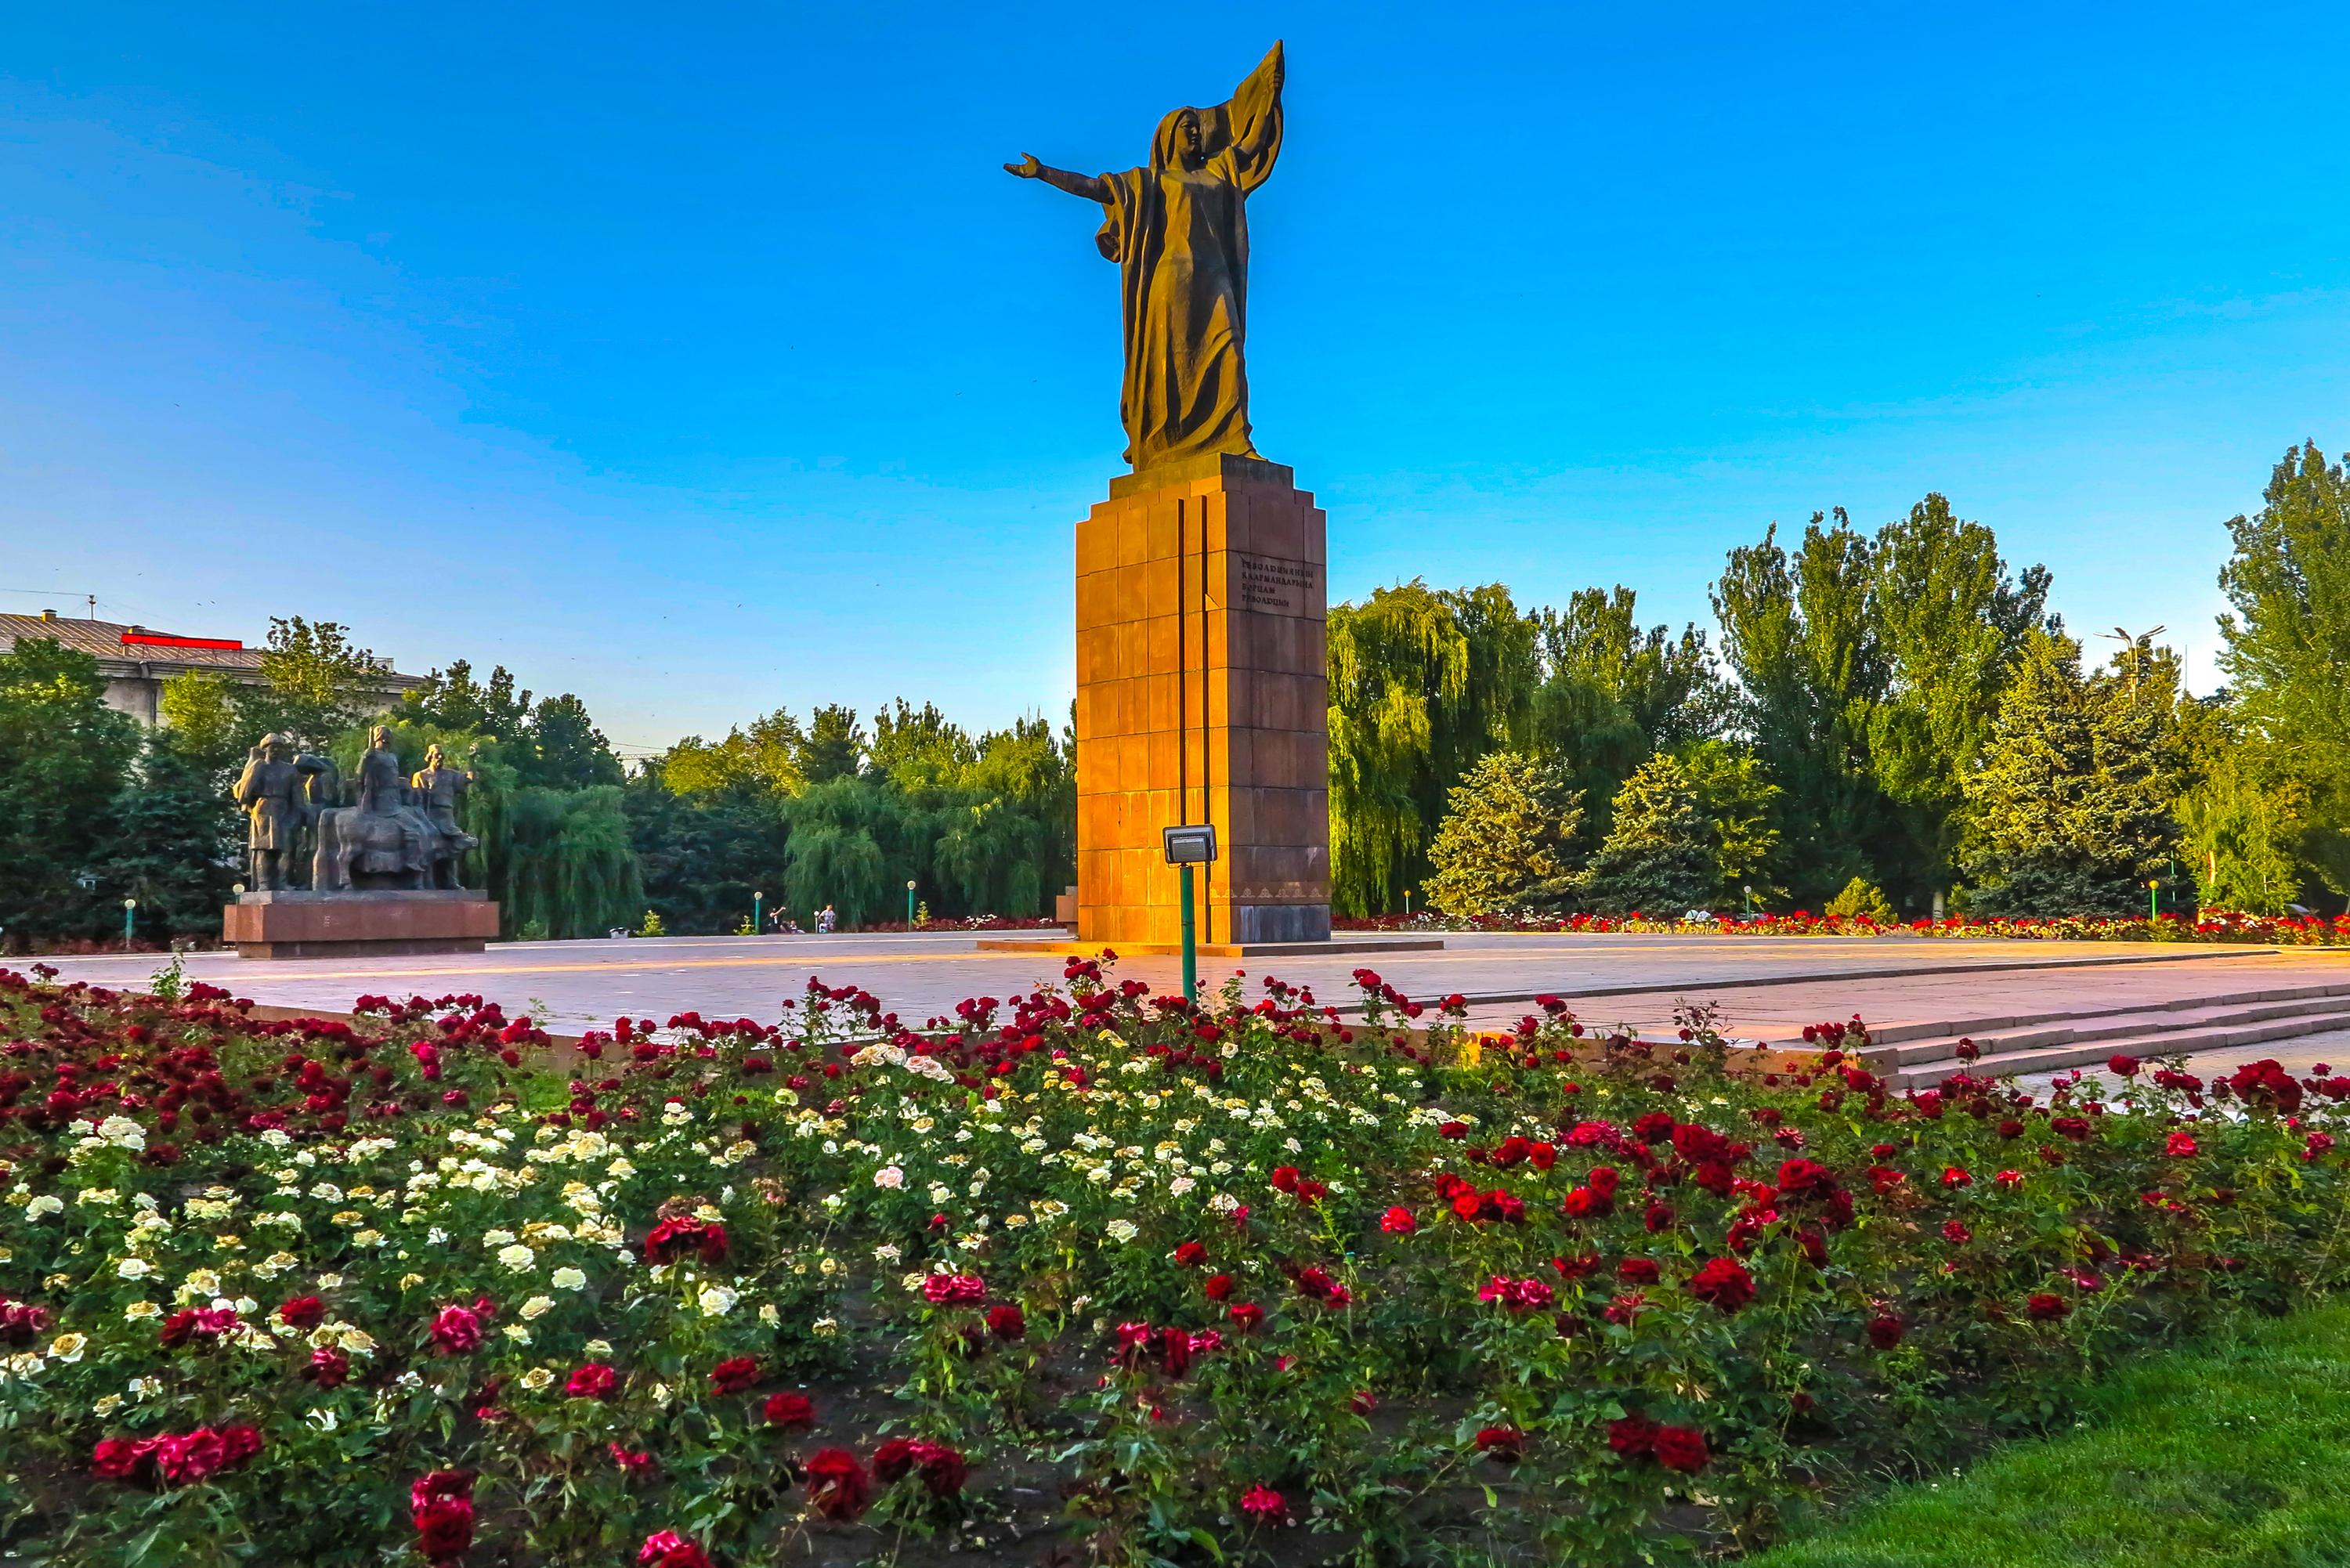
[[1163, 1283], [2209, 925]]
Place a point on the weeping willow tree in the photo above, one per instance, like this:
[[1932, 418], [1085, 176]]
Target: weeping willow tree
[[558, 862], [988, 853], [1422, 683]]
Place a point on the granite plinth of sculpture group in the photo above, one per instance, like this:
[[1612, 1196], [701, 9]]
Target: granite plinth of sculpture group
[[384, 873], [1202, 694]]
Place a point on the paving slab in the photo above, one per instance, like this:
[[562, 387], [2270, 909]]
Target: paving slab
[[1762, 987]]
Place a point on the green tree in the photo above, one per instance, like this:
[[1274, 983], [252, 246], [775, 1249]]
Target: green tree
[[65, 759], [2244, 814], [1503, 844], [456, 702], [1612, 692], [1421, 684], [1740, 800], [1951, 622], [1797, 632], [1860, 900], [921, 749], [203, 724], [835, 745], [317, 683], [564, 750], [2073, 808], [1661, 856], [762, 760], [2287, 654]]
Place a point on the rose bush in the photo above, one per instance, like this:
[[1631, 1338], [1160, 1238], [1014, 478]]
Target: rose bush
[[2209, 925], [1160, 1283]]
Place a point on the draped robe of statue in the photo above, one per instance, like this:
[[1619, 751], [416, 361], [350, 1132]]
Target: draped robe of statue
[[1179, 237]]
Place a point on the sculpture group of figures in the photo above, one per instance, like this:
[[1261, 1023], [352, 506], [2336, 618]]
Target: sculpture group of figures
[[395, 833]]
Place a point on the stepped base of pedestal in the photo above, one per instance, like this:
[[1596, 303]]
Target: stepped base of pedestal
[[371, 921], [1336, 949]]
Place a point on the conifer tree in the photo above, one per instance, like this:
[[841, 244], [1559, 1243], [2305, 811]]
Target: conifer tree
[[2075, 800], [1661, 856], [1503, 842]]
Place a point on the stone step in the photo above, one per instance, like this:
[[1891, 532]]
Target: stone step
[[1978, 1026], [2176, 1040], [2096, 1027]]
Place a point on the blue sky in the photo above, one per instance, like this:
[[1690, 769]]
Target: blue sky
[[702, 360]]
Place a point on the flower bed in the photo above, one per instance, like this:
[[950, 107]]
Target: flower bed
[[2210, 926], [1089, 1271]]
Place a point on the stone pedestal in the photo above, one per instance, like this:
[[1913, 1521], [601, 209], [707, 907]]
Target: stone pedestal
[[375, 921], [1202, 697]]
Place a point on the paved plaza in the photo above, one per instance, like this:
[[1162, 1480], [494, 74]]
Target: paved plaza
[[1765, 988]]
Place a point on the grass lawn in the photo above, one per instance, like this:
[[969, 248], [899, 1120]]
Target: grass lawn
[[2235, 1451]]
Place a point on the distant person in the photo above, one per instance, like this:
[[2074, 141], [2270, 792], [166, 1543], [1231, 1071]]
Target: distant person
[[825, 919]]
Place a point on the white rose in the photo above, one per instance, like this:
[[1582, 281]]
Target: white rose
[[517, 1256], [537, 1306], [134, 1269], [568, 1279], [889, 1175], [717, 1301], [1121, 1230]]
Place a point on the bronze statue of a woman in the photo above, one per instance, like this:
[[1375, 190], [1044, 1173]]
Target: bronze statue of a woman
[[1179, 231]]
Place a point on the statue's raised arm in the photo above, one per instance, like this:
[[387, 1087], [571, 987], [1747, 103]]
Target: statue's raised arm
[[1086, 185], [1178, 230]]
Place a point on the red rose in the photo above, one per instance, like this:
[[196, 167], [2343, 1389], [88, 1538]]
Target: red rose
[[456, 1329], [1634, 1436], [1191, 1254], [1637, 1271], [1264, 1505], [954, 1290], [1504, 1443], [593, 1381], [668, 1548], [303, 1312], [1886, 1329], [838, 1485], [734, 1374], [892, 1459], [117, 1458], [1681, 1449], [792, 1412], [2045, 1307], [444, 1527], [1217, 1286], [1007, 1322], [1246, 1315], [327, 1368], [629, 1464], [1399, 1221], [1723, 1284]]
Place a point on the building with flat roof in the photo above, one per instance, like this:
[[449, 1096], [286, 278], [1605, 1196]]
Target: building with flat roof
[[136, 660]]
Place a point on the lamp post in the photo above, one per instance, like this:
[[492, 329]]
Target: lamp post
[[1406, 903], [909, 903], [758, 910], [1748, 888], [130, 913], [1187, 846], [2154, 901]]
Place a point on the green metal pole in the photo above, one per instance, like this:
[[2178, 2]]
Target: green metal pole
[[910, 906], [2154, 901], [758, 913], [1191, 949], [129, 911]]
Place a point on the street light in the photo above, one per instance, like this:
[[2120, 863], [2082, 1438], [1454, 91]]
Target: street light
[[1748, 888], [2154, 892], [130, 913], [758, 911], [1186, 847], [909, 903]]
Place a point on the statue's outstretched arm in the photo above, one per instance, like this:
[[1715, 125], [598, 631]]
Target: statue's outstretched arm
[[1090, 187]]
